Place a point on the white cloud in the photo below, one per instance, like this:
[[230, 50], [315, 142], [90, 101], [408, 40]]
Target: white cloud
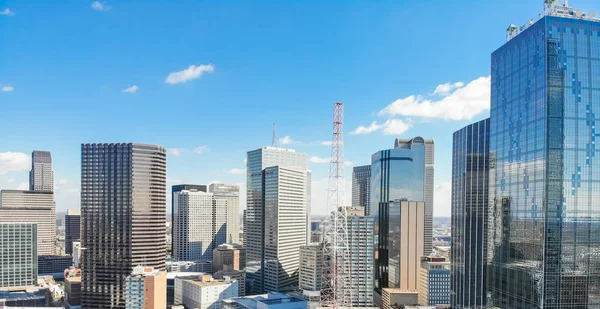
[[100, 6], [245, 161], [390, 127], [445, 89], [192, 72], [201, 149], [319, 160], [7, 88], [23, 186], [7, 12], [443, 199], [132, 89], [63, 182], [320, 194], [462, 103], [214, 181], [237, 171], [14, 161], [326, 143], [175, 151], [348, 163], [173, 180], [287, 140]]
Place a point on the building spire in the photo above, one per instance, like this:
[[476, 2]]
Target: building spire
[[274, 142]]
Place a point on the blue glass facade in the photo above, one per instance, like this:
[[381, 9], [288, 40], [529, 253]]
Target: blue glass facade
[[470, 188], [544, 201], [396, 174]]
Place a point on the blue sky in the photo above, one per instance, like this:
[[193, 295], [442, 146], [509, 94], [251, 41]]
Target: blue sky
[[213, 76]]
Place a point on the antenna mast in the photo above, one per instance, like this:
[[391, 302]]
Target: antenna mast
[[336, 274], [274, 142]]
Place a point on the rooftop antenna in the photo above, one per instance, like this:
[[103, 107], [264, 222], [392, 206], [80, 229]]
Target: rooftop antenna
[[274, 142]]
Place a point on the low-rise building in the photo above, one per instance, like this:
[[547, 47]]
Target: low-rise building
[[272, 300], [229, 257], [73, 292], [434, 281], [171, 284], [54, 265], [190, 266], [238, 275], [393, 298], [204, 292], [146, 288]]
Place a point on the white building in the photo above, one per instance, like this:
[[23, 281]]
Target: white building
[[231, 195], [311, 267], [199, 224], [204, 292], [76, 253], [33, 207], [278, 185], [18, 256]]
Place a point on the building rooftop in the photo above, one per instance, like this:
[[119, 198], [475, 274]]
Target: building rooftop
[[273, 298], [180, 274]]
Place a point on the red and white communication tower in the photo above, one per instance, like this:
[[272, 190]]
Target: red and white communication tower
[[336, 281]]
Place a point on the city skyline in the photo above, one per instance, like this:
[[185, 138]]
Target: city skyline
[[373, 80]]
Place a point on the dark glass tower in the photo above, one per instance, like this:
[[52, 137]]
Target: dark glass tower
[[470, 188], [361, 187], [123, 210], [545, 175], [402, 173], [72, 229]]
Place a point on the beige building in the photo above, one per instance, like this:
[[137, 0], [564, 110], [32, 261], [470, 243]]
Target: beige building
[[204, 292], [146, 288], [33, 207], [405, 253], [229, 257], [398, 297]]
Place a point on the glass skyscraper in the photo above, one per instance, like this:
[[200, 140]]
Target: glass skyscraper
[[545, 175], [361, 187], [123, 214], [402, 173], [470, 187]]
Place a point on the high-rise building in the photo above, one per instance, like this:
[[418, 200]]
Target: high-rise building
[[229, 257], [275, 226], [470, 188], [73, 292], [34, 207], [402, 173], [76, 253], [178, 188], [231, 194], [405, 243], [123, 213], [204, 291], [146, 288], [434, 282], [545, 231], [361, 187], [361, 244], [54, 265], [199, 225], [18, 255], [72, 229], [41, 176], [311, 267]]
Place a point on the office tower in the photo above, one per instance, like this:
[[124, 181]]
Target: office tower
[[146, 288], [123, 213], [406, 243], [275, 228], [73, 292], [544, 232], [361, 187], [18, 257], [34, 207], [434, 282], [229, 257], [203, 291], [54, 265], [178, 188], [273, 300], [72, 229], [470, 187], [76, 253], [361, 242], [402, 173], [199, 222], [311, 267], [231, 194], [308, 205], [41, 176]]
